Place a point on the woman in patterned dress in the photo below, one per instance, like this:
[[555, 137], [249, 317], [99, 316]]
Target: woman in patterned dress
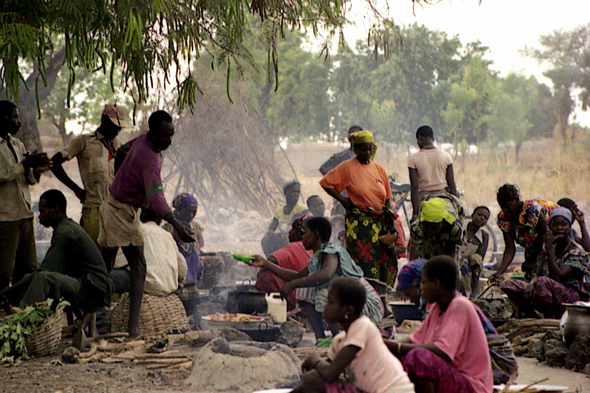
[[562, 278], [523, 223], [370, 222]]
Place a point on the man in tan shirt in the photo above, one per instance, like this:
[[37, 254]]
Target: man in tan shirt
[[431, 170], [18, 169], [96, 161]]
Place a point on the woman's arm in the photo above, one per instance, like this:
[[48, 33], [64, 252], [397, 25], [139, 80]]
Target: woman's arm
[[346, 202], [451, 181], [274, 224], [414, 193], [399, 349], [285, 274], [507, 257], [483, 247], [329, 372], [560, 273], [537, 246], [584, 241], [329, 266]]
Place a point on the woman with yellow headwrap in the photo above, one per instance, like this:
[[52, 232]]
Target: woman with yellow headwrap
[[368, 214], [439, 231]]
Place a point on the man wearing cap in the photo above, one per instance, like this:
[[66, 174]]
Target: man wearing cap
[[431, 171], [96, 161]]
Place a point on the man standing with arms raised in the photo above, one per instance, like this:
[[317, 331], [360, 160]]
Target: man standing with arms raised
[[96, 161], [137, 184], [18, 169], [431, 170]]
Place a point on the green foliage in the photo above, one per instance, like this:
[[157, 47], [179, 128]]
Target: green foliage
[[17, 328], [466, 115], [395, 94], [146, 38], [567, 53]]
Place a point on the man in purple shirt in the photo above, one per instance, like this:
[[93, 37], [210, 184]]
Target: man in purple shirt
[[137, 185]]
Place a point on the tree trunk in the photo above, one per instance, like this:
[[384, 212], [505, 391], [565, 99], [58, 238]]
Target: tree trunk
[[27, 102], [517, 152]]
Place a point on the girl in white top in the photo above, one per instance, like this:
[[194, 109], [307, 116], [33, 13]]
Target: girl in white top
[[359, 351]]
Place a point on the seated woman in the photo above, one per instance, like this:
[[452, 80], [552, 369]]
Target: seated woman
[[582, 238], [368, 209], [292, 257], [276, 236], [328, 263], [567, 266], [409, 280], [473, 251], [358, 351], [504, 363], [449, 351], [523, 223], [185, 209]]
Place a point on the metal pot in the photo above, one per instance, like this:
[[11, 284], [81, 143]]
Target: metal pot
[[577, 322], [263, 334], [247, 302]]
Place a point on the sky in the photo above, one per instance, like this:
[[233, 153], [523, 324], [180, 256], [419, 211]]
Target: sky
[[505, 26]]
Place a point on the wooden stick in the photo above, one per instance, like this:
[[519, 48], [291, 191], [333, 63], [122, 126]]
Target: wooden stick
[[165, 365], [90, 353], [114, 347], [533, 384]]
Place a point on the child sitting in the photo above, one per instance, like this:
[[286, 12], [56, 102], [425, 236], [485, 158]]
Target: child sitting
[[359, 350], [449, 351]]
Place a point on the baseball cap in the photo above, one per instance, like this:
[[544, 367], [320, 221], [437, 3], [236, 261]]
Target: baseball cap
[[117, 115]]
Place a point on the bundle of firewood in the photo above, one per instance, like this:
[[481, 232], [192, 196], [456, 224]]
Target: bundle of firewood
[[521, 331]]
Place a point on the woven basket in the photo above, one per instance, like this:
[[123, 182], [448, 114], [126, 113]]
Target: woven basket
[[158, 315], [46, 337]]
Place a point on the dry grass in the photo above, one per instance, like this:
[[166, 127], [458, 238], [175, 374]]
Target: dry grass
[[546, 172]]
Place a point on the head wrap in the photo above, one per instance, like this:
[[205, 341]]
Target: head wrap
[[300, 223], [435, 210], [411, 274], [359, 137], [290, 184], [561, 212], [184, 201]]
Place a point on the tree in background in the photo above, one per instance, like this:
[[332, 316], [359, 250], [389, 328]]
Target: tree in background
[[568, 55], [513, 100], [395, 94], [467, 113], [146, 39]]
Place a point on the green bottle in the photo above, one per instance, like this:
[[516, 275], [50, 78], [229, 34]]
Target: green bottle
[[243, 257]]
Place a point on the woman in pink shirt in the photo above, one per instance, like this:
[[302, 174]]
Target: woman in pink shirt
[[359, 351], [449, 351]]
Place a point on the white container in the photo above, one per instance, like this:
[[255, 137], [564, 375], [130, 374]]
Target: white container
[[277, 307]]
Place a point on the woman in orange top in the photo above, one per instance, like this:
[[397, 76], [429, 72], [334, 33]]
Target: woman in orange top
[[368, 209]]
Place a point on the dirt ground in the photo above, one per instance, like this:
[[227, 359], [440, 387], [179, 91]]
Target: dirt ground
[[41, 375]]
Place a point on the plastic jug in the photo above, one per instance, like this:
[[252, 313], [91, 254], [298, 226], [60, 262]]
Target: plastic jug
[[277, 307]]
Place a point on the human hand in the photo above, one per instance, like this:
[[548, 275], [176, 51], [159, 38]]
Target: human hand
[[81, 194], [347, 204], [286, 290], [311, 362], [579, 216], [414, 218], [257, 262], [495, 278], [529, 292], [184, 233], [38, 161]]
